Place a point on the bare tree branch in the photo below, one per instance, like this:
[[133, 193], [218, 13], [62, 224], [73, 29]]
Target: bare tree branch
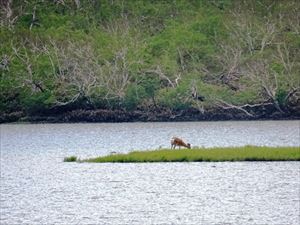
[[6, 13], [162, 76], [225, 105]]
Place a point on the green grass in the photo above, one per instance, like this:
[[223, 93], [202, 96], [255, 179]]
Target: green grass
[[70, 159], [247, 153]]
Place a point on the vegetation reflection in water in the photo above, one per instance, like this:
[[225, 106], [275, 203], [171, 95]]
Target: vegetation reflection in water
[[247, 153]]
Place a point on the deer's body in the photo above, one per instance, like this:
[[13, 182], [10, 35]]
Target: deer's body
[[175, 141]]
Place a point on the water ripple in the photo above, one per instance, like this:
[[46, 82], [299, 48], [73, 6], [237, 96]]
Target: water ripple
[[37, 188]]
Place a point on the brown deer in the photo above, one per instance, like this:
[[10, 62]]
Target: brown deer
[[175, 141]]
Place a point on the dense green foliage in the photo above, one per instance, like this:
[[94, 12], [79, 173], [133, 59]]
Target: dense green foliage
[[248, 153], [143, 54]]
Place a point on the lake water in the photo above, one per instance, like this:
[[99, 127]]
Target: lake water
[[38, 188]]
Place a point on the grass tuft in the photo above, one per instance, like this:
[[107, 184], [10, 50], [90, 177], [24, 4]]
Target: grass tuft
[[70, 159]]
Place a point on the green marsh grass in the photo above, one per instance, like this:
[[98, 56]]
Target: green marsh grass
[[70, 159], [247, 153]]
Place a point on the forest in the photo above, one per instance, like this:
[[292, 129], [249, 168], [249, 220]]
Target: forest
[[149, 60]]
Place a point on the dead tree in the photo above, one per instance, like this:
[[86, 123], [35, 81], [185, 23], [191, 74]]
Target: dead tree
[[7, 16], [27, 58]]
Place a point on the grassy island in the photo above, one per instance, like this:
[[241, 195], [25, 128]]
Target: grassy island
[[247, 153]]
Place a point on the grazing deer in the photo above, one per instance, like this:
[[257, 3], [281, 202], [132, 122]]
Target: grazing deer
[[175, 141]]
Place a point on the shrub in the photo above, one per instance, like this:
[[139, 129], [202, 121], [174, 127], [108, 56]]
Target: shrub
[[70, 159]]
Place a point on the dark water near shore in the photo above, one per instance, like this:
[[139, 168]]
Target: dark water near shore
[[38, 188]]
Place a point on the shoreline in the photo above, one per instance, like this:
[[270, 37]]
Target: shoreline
[[147, 121], [117, 116]]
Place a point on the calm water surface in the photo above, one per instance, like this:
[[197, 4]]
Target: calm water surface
[[38, 188]]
